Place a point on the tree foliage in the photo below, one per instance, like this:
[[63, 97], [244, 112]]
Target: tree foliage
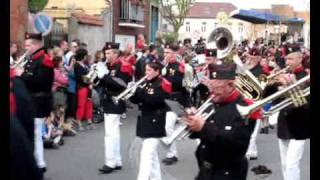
[[174, 11], [36, 5]]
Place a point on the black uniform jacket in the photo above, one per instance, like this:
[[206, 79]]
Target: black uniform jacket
[[293, 122], [23, 107], [151, 121], [38, 78], [174, 74], [114, 83], [225, 137], [140, 66]]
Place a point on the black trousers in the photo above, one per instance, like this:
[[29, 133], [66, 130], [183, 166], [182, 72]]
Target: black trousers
[[233, 173], [71, 105]]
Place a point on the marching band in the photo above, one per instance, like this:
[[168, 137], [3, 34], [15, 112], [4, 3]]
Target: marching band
[[223, 96]]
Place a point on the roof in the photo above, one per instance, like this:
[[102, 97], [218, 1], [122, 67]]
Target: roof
[[88, 19], [209, 10], [302, 14], [283, 10]]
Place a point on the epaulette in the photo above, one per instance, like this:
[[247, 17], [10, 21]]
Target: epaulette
[[126, 68], [256, 114], [181, 67], [47, 61], [12, 73], [12, 103], [166, 86]]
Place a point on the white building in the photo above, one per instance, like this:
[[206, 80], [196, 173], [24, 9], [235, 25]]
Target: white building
[[202, 20]]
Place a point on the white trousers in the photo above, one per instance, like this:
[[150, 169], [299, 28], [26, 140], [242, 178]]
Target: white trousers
[[38, 142], [171, 119], [291, 152], [252, 150], [112, 140], [149, 168]]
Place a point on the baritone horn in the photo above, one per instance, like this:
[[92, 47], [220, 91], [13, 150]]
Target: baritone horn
[[246, 110], [183, 131], [246, 82], [127, 93]]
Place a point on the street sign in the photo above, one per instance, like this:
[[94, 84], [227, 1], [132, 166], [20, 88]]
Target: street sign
[[42, 23]]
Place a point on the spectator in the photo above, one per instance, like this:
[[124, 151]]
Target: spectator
[[60, 83], [13, 52], [52, 134], [73, 48]]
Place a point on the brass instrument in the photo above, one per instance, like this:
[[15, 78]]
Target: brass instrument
[[246, 83], [246, 110], [183, 131], [270, 79], [91, 76], [22, 61], [285, 103], [127, 93], [222, 37]]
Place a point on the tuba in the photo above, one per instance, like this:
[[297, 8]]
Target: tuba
[[223, 40]]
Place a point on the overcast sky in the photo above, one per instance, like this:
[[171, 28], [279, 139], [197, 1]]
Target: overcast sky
[[298, 5]]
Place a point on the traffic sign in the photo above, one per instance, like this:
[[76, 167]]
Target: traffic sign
[[42, 23]]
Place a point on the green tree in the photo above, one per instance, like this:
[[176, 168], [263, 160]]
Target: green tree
[[36, 5], [174, 11]]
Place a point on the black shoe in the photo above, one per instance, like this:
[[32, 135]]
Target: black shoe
[[106, 169], [253, 158], [170, 161], [266, 130], [262, 131], [43, 170], [271, 126], [118, 168]]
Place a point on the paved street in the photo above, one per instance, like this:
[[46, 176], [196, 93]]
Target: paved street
[[82, 156]]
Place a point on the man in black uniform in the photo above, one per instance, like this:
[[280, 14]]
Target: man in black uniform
[[114, 83], [293, 122], [225, 135], [38, 78], [151, 121], [174, 73]]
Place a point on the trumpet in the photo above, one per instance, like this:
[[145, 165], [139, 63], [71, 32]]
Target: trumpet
[[246, 110], [183, 131], [285, 103], [22, 61], [91, 76], [127, 93], [269, 79]]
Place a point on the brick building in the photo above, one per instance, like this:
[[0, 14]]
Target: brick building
[[18, 20]]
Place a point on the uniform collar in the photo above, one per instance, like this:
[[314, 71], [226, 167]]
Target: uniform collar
[[298, 70], [37, 54], [233, 97]]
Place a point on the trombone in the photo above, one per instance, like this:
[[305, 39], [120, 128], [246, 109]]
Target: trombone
[[183, 131], [127, 93], [246, 110]]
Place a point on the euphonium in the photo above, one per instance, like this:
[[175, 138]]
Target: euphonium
[[246, 110], [127, 93], [183, 131], [246, 83]]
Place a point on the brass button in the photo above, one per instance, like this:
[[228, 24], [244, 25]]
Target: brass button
[[153, 120], [212, 121], [203, 146]]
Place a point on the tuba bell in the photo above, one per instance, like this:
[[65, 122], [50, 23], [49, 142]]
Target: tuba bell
[[223, 40]]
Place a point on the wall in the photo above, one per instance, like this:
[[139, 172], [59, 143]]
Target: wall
[[129, 31], [18, 20], [94, 36]]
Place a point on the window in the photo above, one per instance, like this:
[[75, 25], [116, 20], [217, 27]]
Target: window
[[203, 27], [215, 25], [187, 26]]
